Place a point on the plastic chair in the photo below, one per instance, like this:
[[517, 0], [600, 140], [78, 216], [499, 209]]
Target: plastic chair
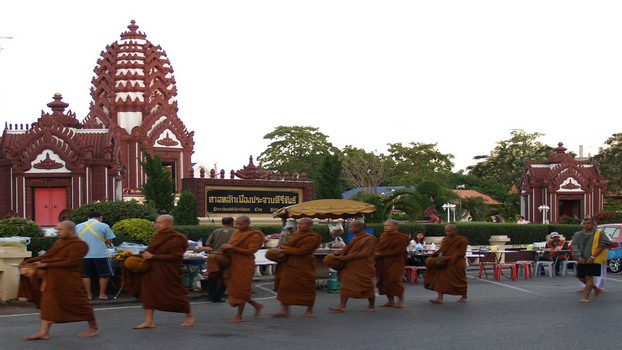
[[513, 270], [565, 264], [527, 268], [488, 259], [412, 273], [544, 264]]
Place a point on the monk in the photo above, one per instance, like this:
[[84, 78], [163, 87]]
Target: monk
[[161, 288], [297, 285], [357, 277], [238, 277], [64, 297], [446, 268], [391, 258]]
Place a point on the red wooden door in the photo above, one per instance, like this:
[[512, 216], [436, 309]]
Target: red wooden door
[[49, 202]]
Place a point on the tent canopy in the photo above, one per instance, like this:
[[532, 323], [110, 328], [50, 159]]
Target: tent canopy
[[326, 209]]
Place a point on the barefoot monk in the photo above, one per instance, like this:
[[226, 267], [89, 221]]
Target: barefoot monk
[[357, 277], [238, 276], [62, 297], [161, 287], [391, 258], [297, 285], [446, 268]]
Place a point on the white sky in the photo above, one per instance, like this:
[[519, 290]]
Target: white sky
[[367, 73]]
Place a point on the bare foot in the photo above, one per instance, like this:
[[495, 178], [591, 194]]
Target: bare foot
[[38, 336], [145, 325], [462, 300], [308, 314], [258, 309], [436, 301], [369, 309], [89, 333], [584, 300], [281, 314], [236, 320], [338, 308], [389, 304], [597, 292], [581, 290], [399, 304], [189, 321]]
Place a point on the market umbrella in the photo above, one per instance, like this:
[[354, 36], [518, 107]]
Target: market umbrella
[[326, 209]]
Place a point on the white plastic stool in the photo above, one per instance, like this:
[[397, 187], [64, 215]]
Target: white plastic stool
[[545, 264], [565, 264]]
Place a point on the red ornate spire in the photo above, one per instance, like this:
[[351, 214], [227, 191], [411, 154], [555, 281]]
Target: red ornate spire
[[251, 171]]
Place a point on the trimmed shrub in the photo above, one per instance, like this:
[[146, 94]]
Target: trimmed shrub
[[115, 211], [138, 230], [19, 227], [186, 212]]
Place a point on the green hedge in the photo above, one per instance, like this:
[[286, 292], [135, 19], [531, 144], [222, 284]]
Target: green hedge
[[478, 233]]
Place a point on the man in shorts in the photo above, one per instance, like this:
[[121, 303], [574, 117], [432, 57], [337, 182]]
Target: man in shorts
[[98, 236], [587, 252]]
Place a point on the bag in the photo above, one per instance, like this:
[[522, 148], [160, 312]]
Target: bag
[[602, 257], [278, 257], [331, 261], [434, 263], [136, 263]]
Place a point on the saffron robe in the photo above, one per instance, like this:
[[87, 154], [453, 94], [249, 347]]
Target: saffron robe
[[64, 298], [238, 277], [161, 287], [298, 284], [357, 277], [450, 279], [391, 258]]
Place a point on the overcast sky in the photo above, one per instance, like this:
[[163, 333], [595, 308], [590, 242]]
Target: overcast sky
[[461, 74]]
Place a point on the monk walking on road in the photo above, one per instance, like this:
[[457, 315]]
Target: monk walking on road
[[297, 285], [446, 268], [63, 297], [391, 258], [238, 276], [357, 277], [160, 287]]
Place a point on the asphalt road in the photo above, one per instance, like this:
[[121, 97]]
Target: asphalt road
[[540, 313]]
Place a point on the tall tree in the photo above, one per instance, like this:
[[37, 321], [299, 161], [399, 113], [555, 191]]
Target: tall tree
[[363, 169], [328, 180], [417, 161], [296, 149], [510, 156], [609, 162], [159, 188]]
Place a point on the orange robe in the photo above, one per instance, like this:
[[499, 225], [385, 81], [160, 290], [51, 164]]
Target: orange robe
[[161, 287], [298, 285], [450, 279], [391, 258], [64, 298], [238, 276], [357, 277]]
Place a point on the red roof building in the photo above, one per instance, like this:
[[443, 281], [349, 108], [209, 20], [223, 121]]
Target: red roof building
[[566, 186], [59, 163]]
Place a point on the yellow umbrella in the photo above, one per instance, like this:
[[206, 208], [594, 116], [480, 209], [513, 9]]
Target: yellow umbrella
[[326, 209]]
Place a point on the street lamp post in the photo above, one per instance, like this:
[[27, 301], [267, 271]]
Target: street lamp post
[[544, 210], [448, 208]]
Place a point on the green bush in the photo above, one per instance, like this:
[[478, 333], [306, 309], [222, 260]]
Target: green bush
[[138, 230], [115, 211], [19, 227], [186, 212]]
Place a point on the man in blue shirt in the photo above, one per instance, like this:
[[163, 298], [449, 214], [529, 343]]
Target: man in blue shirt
[[98, 236]]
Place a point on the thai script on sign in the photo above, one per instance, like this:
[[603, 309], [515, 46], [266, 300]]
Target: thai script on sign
[[244, 199]]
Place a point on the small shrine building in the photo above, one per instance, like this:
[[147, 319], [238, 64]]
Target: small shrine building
[[560, 187]]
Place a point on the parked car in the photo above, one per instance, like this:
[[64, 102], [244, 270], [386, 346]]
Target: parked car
[[614, 231]]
